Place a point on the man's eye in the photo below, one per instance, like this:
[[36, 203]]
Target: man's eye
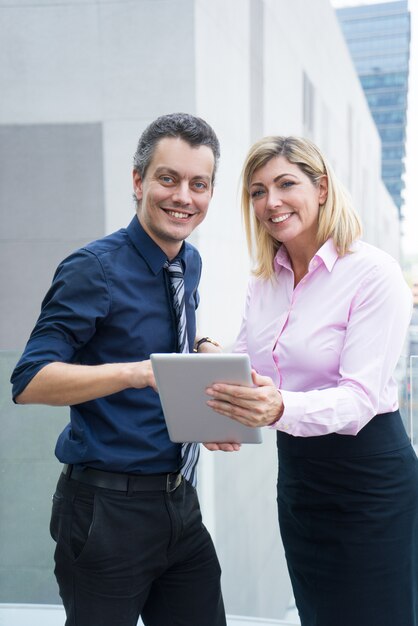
[[166, 179], [200, 186]]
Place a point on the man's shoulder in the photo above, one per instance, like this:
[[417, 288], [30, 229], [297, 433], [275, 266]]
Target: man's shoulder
[[193, 260], [108, 244], [95, 255], [191, 251]]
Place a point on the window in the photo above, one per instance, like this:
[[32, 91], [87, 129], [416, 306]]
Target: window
[[386, 99], [392, 134], [377, 24], [380, 81], [386, 44], [389, 117], [308, 106], [379, 63], [392, 153]]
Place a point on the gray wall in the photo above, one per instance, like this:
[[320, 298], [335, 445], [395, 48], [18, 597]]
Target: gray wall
[[51, 201]]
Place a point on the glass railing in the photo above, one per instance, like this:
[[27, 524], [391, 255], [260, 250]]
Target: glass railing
[[28, 474], [413, 399]]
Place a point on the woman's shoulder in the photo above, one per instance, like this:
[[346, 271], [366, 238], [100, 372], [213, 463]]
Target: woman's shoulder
[[369, 256], [374, 268]]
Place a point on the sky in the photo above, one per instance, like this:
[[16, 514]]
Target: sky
[[410, 208]]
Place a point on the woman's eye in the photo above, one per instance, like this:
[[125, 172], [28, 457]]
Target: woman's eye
[[257, 193], [287, 183]]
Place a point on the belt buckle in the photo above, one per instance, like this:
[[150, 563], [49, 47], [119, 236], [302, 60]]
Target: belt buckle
[[172, 485]]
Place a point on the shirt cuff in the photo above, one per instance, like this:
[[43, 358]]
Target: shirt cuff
[[294, 409]]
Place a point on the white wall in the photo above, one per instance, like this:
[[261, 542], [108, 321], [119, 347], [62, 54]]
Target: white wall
[[222, 98]]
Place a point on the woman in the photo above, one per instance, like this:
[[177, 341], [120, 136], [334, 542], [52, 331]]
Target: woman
[[325, 321]]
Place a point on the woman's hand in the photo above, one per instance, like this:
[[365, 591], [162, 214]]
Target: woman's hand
[[261, 405], [225, 447]]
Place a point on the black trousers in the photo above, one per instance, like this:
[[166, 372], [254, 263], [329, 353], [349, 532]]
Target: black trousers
[[348, 512], [121, 555]]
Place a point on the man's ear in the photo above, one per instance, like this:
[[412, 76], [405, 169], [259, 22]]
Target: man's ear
[[323, 189], [137, 183]]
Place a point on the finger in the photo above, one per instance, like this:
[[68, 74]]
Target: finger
[[233, 393], [261, 381], [258, 404], [235, 412], [212, 446], [229, 447], [224, 447], [250, 405], [232, 390]]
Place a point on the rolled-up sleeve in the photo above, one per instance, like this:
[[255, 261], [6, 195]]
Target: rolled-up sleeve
[[76, 302]]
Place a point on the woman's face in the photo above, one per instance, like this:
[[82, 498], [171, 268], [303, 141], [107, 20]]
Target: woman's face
[[286, 202]]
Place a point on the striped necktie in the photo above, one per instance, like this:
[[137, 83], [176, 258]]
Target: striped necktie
[[189, 451]]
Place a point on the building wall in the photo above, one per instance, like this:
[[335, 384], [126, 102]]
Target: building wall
[[79, 82], [378, 37]]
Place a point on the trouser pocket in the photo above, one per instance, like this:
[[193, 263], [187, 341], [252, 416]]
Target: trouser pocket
[[72, 517]]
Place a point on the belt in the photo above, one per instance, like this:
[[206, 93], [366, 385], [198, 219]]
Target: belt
[[123, 482]]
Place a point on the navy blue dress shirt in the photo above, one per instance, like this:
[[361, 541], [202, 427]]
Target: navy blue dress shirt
[[110, 302]]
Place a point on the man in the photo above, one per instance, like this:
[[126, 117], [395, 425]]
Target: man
[[128, 528]]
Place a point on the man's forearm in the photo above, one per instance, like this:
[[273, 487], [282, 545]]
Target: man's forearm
[[62, 384]]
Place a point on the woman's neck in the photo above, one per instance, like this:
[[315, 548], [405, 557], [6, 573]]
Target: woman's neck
[[300, 257]]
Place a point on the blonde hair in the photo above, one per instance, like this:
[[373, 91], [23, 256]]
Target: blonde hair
[[337, 217]]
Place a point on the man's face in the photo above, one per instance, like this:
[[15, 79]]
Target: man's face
[[174, 195]]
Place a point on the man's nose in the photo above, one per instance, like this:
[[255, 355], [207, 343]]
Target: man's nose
[[182, 194]]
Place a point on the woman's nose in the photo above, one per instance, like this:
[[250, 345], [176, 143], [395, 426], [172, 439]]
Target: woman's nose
[[274, 199]]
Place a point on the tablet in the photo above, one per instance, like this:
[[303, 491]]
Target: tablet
[[182, 380]]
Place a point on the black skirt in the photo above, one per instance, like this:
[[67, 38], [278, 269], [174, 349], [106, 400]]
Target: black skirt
[[348, 514]]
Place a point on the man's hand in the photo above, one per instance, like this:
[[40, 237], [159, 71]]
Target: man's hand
[[141, 375], [261, 405]]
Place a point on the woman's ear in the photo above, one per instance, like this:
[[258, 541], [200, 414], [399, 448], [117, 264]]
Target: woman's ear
[[323, 189]]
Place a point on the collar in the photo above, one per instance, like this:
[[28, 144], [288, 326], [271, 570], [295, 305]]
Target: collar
[[282, 259], [152, 254], [327, 253]]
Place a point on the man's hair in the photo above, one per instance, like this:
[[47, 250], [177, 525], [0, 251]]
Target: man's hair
[[195, 131], [337, 217]]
